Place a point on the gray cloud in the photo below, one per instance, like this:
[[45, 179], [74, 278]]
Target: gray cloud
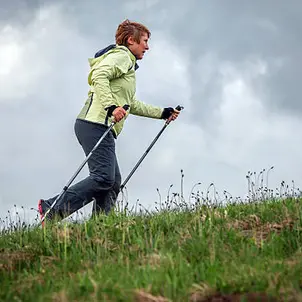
[[233, 66], [238, 31], [18, 11]]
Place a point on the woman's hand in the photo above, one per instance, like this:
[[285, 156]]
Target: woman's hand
[[118, 113]]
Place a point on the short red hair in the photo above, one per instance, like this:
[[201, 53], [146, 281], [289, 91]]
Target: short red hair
[[127, 29]]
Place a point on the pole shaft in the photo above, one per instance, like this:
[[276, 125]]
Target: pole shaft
[[143, 156]]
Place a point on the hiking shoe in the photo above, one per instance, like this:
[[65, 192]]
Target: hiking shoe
[[42, 208]]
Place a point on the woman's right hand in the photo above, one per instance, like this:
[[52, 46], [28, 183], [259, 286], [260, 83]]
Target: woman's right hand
[[118, 113]]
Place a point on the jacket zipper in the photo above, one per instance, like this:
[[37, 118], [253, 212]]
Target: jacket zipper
[[91, 98]]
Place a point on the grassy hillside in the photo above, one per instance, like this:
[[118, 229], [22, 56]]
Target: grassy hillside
[[238, 253]]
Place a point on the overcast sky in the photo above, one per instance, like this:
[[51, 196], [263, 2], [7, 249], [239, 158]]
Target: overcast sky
[[236, 67]]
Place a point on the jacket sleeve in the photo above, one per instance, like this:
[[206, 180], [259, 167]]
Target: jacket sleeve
[[113, 66], [141, 109]]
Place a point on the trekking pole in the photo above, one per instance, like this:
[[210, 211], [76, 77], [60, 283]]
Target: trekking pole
[[126, 107], [179, 108]]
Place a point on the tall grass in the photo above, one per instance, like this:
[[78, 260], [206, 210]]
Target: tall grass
[[192, 250]]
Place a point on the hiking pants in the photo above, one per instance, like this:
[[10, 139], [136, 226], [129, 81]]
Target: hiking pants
[[104, 180]]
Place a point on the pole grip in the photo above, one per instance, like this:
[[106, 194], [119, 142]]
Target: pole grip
[[126, 107], [179, 108]]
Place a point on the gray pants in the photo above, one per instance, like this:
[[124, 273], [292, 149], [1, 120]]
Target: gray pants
[[104, 180]]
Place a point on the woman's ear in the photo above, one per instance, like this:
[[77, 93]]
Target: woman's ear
[[130, 40]]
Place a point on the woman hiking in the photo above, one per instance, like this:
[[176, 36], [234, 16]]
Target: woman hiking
[[112, 85]]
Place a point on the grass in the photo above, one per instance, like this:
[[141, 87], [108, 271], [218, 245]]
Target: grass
[[236, 252]]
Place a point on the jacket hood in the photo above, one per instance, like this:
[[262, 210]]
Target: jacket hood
[[106, 49]]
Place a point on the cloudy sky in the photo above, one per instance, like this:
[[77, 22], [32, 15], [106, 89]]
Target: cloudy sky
[[234, 65]]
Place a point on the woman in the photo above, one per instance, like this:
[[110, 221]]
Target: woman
[[112, 85]]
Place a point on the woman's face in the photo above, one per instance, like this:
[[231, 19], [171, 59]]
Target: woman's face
[[139, 49]]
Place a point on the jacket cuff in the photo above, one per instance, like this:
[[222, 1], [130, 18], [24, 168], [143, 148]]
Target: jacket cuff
[[110, 110]]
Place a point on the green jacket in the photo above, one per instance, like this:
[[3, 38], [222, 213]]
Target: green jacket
[[112, 82]]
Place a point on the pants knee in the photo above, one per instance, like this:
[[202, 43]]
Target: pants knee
[[108, 181], [107, 184], [103, 183]]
